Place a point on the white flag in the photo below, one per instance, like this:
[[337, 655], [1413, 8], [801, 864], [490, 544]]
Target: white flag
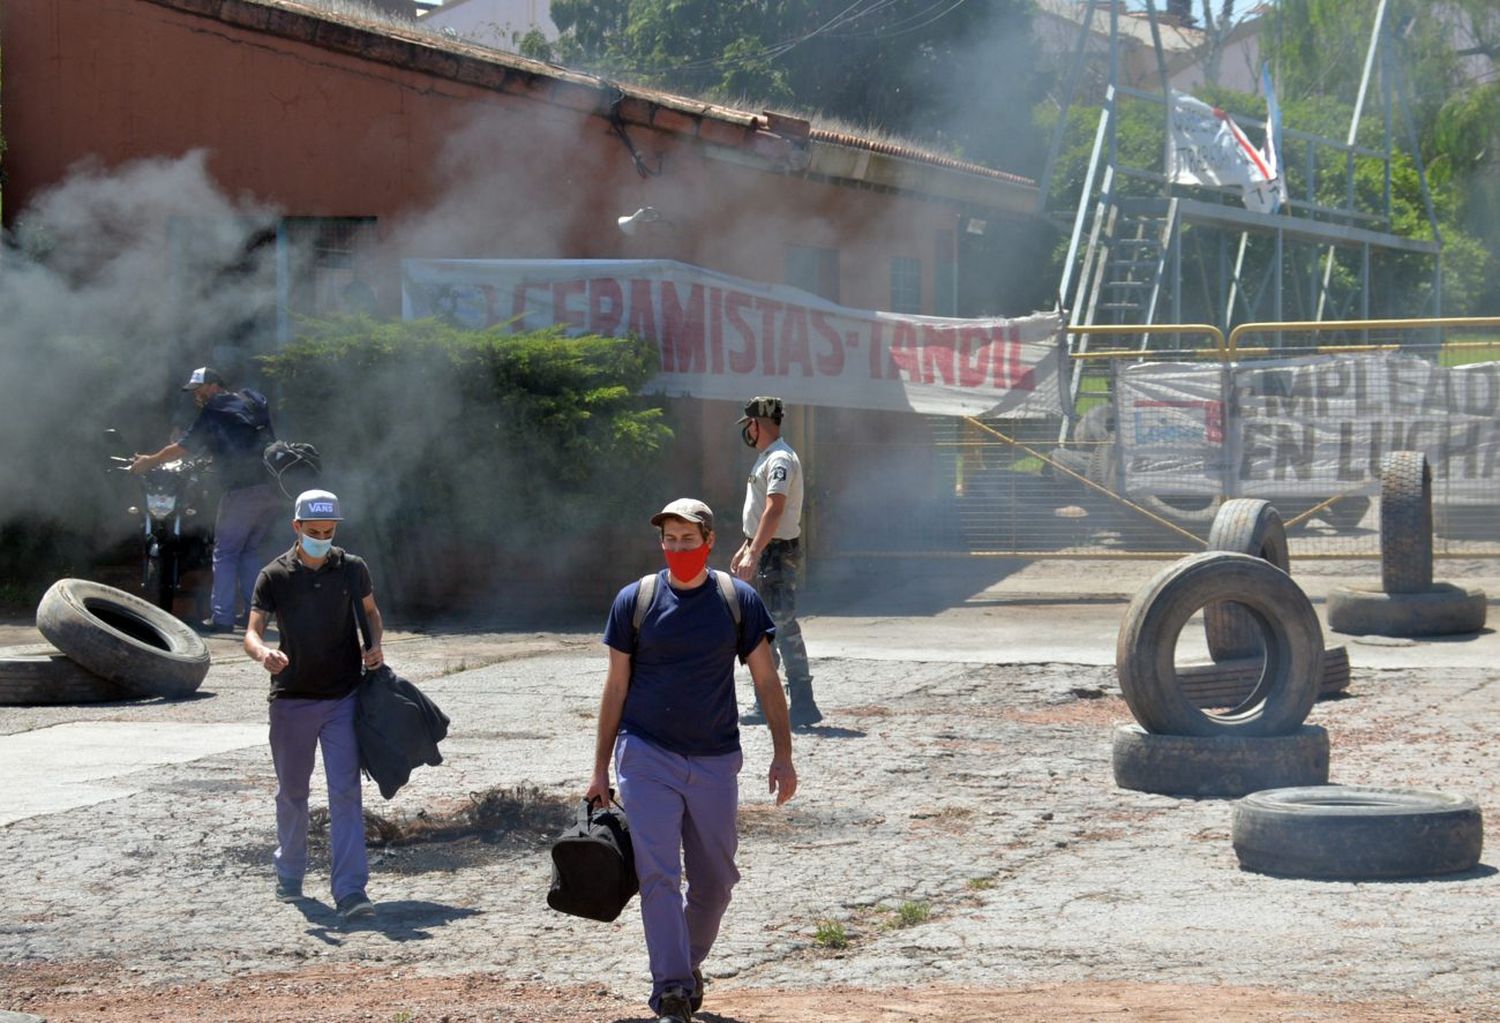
[[1205, 147]]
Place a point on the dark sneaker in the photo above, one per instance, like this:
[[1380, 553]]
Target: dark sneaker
[[753, 716], [355, 906], [696, 1001], [288, 889], [209, 627], [804, 714], [674, 1007]]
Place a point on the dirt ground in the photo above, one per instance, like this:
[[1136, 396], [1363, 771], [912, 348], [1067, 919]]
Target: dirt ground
[[977, 792], [354, 996]]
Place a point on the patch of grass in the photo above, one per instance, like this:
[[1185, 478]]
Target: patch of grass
[[979, 884], [830, 934], [909, 914]]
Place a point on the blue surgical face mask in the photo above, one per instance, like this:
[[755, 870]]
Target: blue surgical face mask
[[316, 548]]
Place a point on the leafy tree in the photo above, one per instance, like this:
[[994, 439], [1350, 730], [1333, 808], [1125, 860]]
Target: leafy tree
[[500, 453], [955, 74], [1442, 56]]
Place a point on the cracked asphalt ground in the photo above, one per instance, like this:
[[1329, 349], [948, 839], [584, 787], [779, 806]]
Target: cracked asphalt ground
[[957, 849]]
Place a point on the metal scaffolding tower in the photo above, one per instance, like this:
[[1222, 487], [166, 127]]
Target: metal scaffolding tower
[[1143, 250]]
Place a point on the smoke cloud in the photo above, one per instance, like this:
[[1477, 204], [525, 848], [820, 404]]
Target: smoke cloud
[[114, 285]]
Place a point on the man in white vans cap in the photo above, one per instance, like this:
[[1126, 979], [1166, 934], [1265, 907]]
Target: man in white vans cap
[[311, 590]]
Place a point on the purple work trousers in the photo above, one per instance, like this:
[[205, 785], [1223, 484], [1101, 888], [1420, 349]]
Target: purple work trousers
[[682, 820], [298, 727], [245, 519]]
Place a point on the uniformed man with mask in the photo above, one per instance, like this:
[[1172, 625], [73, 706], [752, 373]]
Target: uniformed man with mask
[[770, 558]]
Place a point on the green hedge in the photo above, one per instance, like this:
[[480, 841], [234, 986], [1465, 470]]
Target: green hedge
[[464, 457]]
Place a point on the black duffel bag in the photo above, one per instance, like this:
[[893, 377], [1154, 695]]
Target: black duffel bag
[[593, 864]]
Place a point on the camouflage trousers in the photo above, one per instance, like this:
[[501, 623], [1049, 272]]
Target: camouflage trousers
[[776, 582]]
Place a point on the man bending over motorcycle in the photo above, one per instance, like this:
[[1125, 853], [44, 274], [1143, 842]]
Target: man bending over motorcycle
[[234, 427]]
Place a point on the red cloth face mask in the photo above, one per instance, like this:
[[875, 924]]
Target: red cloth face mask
[[685, 566]]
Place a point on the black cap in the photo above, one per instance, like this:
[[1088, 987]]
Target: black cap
[[762, 408], [201, 376]]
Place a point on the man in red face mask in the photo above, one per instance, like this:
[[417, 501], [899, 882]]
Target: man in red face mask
[[668, 716]]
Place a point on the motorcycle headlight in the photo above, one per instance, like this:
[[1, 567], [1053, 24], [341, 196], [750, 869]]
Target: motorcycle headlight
[[159, 506]]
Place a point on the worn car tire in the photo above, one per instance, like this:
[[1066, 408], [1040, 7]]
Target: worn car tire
[[1443, 610], [1243, 525], [1097, 424], [38, 676], [1356, 833], [1346, 513], [1218, 766], [123, 638], [1230, 683], [1405, 522], [1146, 648]]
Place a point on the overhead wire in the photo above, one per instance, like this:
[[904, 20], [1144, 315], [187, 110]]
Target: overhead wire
[[851, 14]]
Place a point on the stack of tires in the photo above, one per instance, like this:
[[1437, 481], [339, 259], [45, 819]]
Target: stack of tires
[[1408, 602], [1176, 747], [110, 645], [1253, 527]]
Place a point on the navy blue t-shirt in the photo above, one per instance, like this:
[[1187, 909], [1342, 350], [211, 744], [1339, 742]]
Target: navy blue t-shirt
[[234, 426], [681, 695]]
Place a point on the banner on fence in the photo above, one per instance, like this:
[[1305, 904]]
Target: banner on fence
[[722, 337], [1314, 426]]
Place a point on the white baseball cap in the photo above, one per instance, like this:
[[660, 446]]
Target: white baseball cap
[[318, 504]]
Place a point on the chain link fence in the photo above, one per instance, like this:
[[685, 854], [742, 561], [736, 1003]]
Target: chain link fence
[[1169, 422]]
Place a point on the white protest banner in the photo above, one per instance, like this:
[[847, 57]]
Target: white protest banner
[[1311, 427], [722, 337], [1205, 147]]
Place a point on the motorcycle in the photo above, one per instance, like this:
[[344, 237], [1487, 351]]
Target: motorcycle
[[174, 540]]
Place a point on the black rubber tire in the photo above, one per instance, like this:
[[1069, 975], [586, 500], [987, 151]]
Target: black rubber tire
[[1104, 467], [1346, 513], [1069, 458], [1146, 648], [1405, 522], [1348, 832], [1218, 766], [123, 638], [1250, 526], [1443, 610], [1230, 683], [42, 677], [1097, 424], [1184, 510]]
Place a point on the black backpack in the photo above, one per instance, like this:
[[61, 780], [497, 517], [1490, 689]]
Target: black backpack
[[593, 864]]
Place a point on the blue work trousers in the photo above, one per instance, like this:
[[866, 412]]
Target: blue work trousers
[[682, 821], [298, 728]]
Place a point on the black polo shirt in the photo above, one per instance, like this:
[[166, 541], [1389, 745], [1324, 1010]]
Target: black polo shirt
[[314, 611]]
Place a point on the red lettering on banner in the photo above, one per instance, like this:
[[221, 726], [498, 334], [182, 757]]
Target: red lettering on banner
[[741, 360], [768, 310], [682, 329], [904, 354], [831, 362], [1010, 373], [561, 311], [606, 306], [643, 313], [937, 350], [877, 348], [794, 344], [974, 364], [518, 306], [716, 330]]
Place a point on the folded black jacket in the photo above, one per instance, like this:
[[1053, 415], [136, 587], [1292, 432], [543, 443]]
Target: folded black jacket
[[397, 727]]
